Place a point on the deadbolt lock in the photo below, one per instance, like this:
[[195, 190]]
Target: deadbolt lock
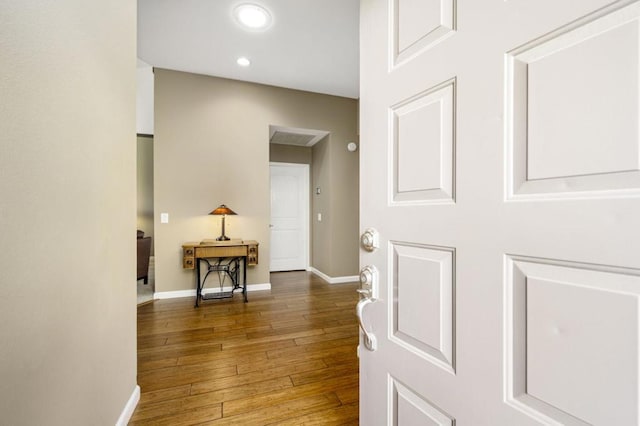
[[370, 239]]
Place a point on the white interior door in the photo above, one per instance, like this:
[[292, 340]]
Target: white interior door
[[501, 167], [289, 216]]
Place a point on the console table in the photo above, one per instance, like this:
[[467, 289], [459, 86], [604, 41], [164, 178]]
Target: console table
[[229, 254]]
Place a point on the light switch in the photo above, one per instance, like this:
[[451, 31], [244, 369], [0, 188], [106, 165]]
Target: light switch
[[164, 217], [319, 217]]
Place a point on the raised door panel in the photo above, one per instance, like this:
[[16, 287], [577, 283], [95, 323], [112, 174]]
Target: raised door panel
[[423, 147], [583, 109], [418, 25], [573, 101], [422, 302], [408, 408], [574, 344]]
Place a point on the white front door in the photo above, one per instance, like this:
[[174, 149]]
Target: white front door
[[500, 164], [289, 216]]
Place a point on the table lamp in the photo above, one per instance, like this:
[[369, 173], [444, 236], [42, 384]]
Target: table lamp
[[224, 211]]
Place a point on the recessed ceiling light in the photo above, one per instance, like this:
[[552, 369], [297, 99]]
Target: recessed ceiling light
[[243, 62], [252, 16]]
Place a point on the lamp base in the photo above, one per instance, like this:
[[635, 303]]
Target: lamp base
[[223, 238]]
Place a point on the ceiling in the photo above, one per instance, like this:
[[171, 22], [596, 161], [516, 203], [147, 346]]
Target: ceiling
[[311, 45]]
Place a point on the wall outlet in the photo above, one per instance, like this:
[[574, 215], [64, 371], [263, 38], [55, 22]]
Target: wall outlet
[[164, 217]]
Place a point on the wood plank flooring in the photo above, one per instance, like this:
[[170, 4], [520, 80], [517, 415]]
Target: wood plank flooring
[[288, 357]]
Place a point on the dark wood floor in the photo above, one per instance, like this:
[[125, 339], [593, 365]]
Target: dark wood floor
[[287, 357]]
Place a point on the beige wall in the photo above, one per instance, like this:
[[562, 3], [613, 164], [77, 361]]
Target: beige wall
[[144, 180], [335, 239], [279, 153], [344, 187], [211, 147], [67, 211], [321, 235]]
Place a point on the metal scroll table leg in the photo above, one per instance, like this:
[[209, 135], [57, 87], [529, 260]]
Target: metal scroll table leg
[[197, 282], [244, 279]]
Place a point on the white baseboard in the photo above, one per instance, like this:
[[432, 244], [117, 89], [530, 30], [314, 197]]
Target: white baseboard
[[129, 408], [334, 280], [258, 287], [192, 293], [158, 295]]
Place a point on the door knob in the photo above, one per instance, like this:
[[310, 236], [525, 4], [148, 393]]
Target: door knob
[[368, 294], [370, 341]]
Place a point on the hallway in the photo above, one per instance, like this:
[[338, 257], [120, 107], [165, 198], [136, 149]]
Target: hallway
[[286, 357]]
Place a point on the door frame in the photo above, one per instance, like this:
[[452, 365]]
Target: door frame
[[304, 208]]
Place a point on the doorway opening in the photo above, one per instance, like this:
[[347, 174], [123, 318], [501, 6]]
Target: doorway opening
[[145, 227], [291, 166]]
